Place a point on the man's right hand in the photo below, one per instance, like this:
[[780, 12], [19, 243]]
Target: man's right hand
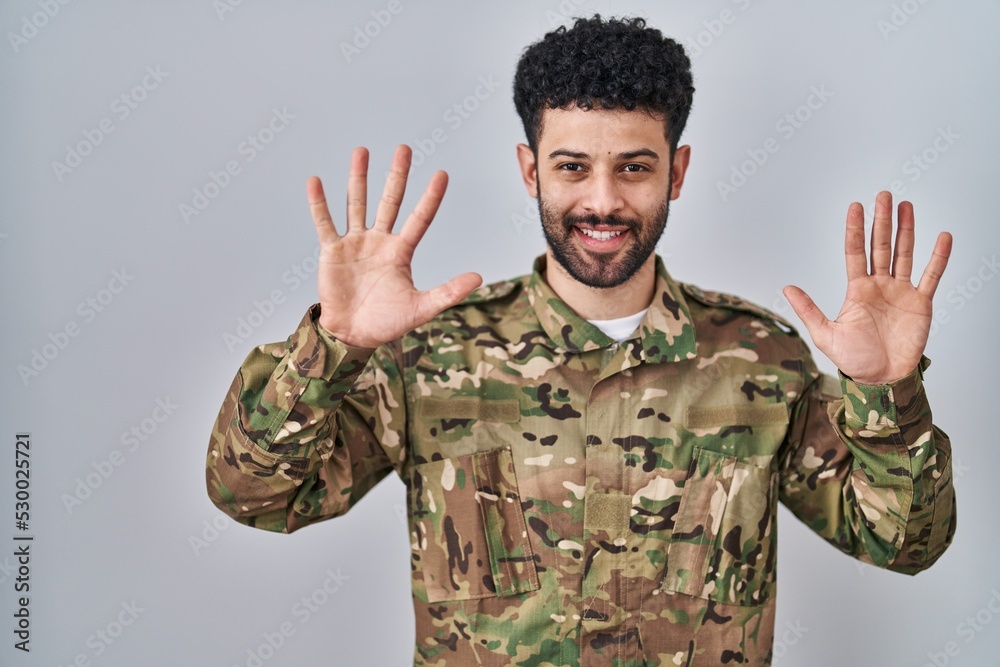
[[366, 290]]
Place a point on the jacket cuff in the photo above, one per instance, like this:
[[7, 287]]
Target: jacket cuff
[[314, 352], [878, 410]]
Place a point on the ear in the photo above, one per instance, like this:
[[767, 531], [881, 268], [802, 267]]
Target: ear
[[529, 169], [682, 156]]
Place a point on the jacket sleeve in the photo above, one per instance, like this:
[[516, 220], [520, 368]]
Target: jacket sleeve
[[307, 428], [866, 469]]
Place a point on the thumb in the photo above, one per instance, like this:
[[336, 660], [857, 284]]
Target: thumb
[[442, 297], [808, 312]]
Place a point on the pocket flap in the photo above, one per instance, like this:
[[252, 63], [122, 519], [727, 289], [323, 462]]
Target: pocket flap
[[723, 544], [472, 538]]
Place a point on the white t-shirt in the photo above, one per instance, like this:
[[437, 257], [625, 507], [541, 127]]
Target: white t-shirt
[[620, 328]]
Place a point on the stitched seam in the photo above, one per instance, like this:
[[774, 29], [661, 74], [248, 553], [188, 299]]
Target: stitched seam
[[245, 440], [897, 439], [501, 499], [622, 559], [484, 518], [315, 353], [532, 573], [494, 560], [274, 424], [666, 585]]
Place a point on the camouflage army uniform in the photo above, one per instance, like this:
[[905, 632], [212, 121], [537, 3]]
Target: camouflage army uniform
[[576, 501]]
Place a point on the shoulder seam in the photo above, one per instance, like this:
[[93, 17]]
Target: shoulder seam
[[491, 292], [717, 299]]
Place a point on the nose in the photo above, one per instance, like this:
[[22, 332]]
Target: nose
[[603, 195]]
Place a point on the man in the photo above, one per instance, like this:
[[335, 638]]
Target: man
[[594, 452]]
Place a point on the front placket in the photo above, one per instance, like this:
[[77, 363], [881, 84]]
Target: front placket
[[609, 633]]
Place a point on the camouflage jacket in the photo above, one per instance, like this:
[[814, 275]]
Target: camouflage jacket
[[576, 501]]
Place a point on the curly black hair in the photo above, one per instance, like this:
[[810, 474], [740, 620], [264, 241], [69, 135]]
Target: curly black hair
[[616, 64]]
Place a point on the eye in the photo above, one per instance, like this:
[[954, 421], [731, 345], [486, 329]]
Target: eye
[[571, 166], [634, 168]]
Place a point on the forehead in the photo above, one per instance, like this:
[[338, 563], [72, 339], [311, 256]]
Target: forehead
[[601, 129]]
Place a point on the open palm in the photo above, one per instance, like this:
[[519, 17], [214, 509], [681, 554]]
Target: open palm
[[366, 291], [882, 328]]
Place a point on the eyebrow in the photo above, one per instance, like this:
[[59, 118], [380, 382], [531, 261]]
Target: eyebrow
[[627, 155]]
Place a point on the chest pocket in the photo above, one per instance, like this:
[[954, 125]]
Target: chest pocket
[[471, 538], [724, 540]]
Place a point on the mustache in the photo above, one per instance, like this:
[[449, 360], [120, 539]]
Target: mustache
[[593, 219]]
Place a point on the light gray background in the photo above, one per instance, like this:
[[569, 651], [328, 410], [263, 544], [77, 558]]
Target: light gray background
[[134, 539]]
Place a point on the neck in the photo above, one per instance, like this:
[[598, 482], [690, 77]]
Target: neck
[[602, 303]]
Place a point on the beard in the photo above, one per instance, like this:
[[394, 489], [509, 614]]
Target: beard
[[595, 269]]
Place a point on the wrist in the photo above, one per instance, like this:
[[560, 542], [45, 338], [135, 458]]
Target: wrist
[[876, 380], [872, 381], [327, 330]]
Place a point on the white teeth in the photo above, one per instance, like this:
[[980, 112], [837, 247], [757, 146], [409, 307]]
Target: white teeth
[[600, 236]]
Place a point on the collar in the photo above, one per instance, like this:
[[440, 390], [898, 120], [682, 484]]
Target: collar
[[666, 332]]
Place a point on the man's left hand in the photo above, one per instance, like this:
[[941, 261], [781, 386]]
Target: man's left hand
[[882, 329]]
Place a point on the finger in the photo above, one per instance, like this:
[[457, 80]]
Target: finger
[[854, 242], [395, 186], [442, 297], [936, 266], [810, 314], [325, 230], [357, 191], [882, 234], [902, 254], [418, 221]]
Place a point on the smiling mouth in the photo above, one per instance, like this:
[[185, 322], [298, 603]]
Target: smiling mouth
[[602, 235], [601, 238]]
